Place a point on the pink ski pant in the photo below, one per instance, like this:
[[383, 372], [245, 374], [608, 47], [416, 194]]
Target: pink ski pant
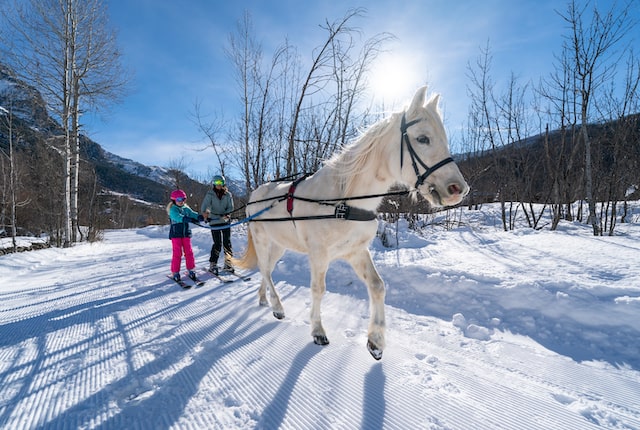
[[180, 245]]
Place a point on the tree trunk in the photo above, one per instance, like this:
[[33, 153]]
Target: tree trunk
[[588, 173]]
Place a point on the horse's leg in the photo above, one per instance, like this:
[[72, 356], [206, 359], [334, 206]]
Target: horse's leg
[[319, 264], [268, 255], [363, 266], [262, 293]]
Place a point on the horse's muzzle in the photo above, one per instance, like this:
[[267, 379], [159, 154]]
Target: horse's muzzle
[[451, 195]]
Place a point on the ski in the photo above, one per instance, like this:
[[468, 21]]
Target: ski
[[180, 282], [240, 277], [197, 281], [226, 277], [222, 278]]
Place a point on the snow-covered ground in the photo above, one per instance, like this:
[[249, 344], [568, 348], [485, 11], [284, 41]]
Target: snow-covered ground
[[486, 329]]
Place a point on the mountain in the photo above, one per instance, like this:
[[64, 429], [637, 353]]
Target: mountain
[[114, 178], [24, 102]]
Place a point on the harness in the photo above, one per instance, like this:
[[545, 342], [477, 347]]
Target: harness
[[342, 210]]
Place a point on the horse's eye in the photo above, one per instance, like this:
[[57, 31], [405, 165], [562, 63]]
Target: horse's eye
[[423, 139]]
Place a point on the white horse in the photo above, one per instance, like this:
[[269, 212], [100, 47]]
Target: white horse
[[331, 214]]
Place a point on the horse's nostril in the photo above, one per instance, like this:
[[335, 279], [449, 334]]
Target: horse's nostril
[[454, 189]]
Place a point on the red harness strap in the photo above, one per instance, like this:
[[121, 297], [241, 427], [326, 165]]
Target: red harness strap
[[292, 189]]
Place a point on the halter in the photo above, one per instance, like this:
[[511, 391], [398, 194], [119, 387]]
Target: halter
[[414, 156]]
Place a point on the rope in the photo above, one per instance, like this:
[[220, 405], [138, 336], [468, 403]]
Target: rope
[[242, 221]]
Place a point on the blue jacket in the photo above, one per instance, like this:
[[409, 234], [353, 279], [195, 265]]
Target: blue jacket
[[180, 218]]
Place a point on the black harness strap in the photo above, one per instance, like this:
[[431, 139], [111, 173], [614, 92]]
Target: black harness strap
[[351, 213], [333, 202], [403, 137], [342, 211]]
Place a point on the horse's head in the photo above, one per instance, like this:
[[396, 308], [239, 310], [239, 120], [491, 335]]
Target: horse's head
[[426, 162]]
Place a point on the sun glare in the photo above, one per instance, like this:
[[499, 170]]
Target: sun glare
[[393, 79]]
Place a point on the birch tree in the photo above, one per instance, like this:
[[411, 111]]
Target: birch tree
[[66, 50], [9, 172]]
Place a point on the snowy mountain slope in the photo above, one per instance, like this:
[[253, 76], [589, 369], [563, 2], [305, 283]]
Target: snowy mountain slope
[[154, 173], [486, 330], [24, 106]]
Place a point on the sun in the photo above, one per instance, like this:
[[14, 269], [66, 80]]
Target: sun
[[393, 78]]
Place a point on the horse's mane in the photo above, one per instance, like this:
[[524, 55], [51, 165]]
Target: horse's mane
[[350, 162]]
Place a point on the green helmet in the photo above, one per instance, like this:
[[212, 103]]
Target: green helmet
[[218, 180]]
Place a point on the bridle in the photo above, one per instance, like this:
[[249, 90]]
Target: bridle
[[404, 138]]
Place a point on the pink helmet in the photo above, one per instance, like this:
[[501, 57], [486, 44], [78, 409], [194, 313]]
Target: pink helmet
[[178, 194]]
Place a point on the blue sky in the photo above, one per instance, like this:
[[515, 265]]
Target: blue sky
[[176, 52]]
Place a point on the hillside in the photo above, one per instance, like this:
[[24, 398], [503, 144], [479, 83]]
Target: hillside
[[549, 167]]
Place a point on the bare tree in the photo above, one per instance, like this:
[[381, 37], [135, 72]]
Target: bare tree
[[176, 169], [65, 49], [484, 114], [298, 122], [210, 128], [593, 52], [618, 141], [317, 77], [264, 96], [10, 175], [561, 150], [499, 124], [245, 54]]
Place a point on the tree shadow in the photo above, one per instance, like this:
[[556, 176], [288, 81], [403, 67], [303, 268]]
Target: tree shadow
[[32, 374], [273, 414]]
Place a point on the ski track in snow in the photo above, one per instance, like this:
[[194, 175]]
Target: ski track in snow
[[486, 330]]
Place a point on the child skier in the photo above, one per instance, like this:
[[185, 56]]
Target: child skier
[[180, 215]]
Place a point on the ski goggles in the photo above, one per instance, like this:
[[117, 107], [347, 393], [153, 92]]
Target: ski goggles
[[180, 199], [218, 182]]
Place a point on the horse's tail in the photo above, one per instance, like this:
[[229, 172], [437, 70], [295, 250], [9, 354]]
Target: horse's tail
[[249, 259]]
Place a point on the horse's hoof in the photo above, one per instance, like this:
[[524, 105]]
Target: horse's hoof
[[263, 303], [320, 340], [374, 351], [278, 315]]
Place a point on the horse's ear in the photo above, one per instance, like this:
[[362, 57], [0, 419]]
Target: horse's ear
[[432, 104], [418, 99]]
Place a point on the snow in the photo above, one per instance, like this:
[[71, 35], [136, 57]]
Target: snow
[[485, 329]]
